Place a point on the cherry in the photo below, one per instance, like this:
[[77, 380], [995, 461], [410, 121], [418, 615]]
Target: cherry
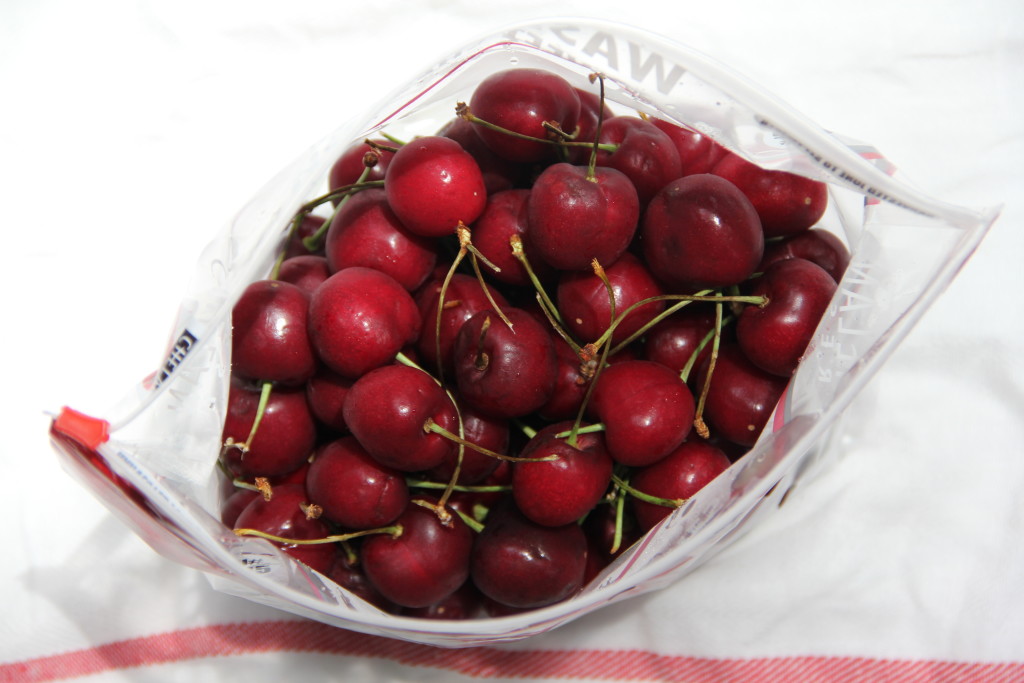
[[592, 108], [647, 410], [269, 338], [562, 490], [424, 564], [388, 410], [678, 476], [644, 153], [697, 152], [577, 215], [701, 231], [325, 394], [599, 527], [433, 184], [484, 431], [583, 299], [284, 515], [348, 573], [285, 436], [774, 336], [741, 396], [505, 216], [234, 503], [522, 100], [366, 232], [786, 203], [499, 174], [464, 603], [350, 165], [673, 340], [308, 226], [502, 371], [522, 564], [359, 319], [307, 272], [570, 386], [353, 489], [817, 245]]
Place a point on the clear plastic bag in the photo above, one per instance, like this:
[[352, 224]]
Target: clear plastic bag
[[152, 458]]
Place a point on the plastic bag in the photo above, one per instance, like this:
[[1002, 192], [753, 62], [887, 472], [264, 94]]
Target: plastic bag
[[152, 458]]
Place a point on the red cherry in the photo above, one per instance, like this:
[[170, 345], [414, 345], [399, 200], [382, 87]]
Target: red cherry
[[678, 476], [433, 184], [673, 340], [308, 226], [786, 203], [499, 174], [774, 336], [359, 319], [647, 410], [484, 431], [645, 154], [697, 152], [305, 272], [325, 394], [523, 100], [505, 216], [424, 564], [269, 340], [350, 576], [563, 490], [349, 166], [701, 231], [591, 107], [741, 396], [366, 232], [575, 218], [464, 603], [285, 437], [354, 490], [284, 516], [817, 245], [570, 386]]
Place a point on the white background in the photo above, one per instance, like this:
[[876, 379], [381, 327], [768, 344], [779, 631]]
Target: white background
[[130, 131]]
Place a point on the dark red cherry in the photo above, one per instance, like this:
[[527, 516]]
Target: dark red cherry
[[678, 476], [348, 573], [647, 410], [359, 319], [673, 340], [741, 396], [698, 153], [284, 439], [308, 226], [575, 218], [583, 300], [505, 216], [523, 100], [487, 432], [433, 184], [816, 245], [499, 174], [233, 505], [700, 231], [786, 203], [645, 154], [387, 410], [570, 384], [284, 515], [501, 371], [563, 490], [349, 166], [464, 603], [366, 232], [775, 336], [424, 564], [591, 107], [325, 394], [269, 339], [522, 564], [305, 272], [354, 490]]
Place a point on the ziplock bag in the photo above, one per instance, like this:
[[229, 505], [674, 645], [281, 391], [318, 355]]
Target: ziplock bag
[[152, 458]]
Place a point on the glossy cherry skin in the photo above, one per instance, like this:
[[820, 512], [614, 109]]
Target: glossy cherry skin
[[499, 174], [386, 410], [700, 232], [570, 385], [678, 476], [522, 100], [645, 154], [305, 272], [786, 203], [505, 372], [504, 217], [284, 439], [574, 219], [283, 515], [673, 340], [359, 319], [349, 166], [698, 153], [308, 226], [586, 125], [354, 490], [522, 564], [741, 396], [349, 575], [433, 184], [269, 337], [425, 564], [586, 308], [561, 491], [484, 431], [325, 395], [775, 336], [366, 232], [816, 245], [646, 408]]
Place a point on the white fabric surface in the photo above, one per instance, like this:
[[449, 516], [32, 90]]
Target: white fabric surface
[[130, 131]]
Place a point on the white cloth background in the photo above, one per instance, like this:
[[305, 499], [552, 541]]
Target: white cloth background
[[130, 131]]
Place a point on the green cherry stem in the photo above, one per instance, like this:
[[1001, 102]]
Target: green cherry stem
[[395, 531], [592, 164], [684, 374], [698, 420], [462, 110], [589, 429], [646, 497], [431, 426]]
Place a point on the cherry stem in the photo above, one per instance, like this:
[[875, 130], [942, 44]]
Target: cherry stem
[[440, 509], [260, 485], [592, 165], [557, 327], [520, 254], [589, 429], [395, 531], [391, 138], [469, 521], [466, 244], [462, 110], [312, 242], [698, 420], [646, 497], [526, 429], [431, 426], [261, 407], [586, 397], [620, 513], [461, 488], [684, 374]]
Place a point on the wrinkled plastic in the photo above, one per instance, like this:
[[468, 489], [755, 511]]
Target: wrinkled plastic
[[157, 470]]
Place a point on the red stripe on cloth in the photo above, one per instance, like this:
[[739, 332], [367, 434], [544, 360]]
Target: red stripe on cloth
[[224, 640]]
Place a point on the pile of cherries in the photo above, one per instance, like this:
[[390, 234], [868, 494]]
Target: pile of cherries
[[490, 358]]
